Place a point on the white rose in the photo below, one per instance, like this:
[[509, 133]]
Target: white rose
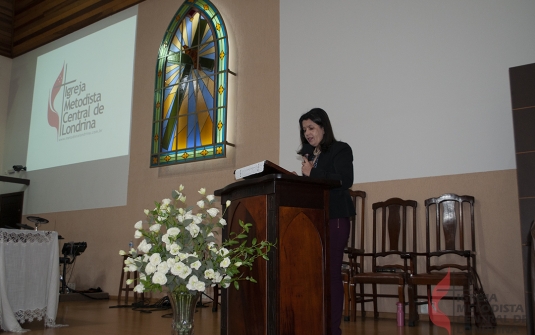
[[195, 285], [195, 265], [146, 211], [163, 267], [197, 219], [165, 239], [174, 249], [174, 268], [183, 199], [227, 203], [139, 288], [150, 269], [159, 278], [223, 251], [209, 274], [213, 211], [182, 270], [182, 256], [202, 191], [200, 203], [122, 252], [191, 282], [226, 284], [181, 188], [193, 229], [200, 286], [166, 201], [222, 222], [155, 227], [155, 259], [138, 234], [210, 197], [173, 231], [139, 224], [129, 281], [144, 247], [217, 277], [225, 263]]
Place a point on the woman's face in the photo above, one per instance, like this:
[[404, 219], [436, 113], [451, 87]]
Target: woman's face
[[313, 132]]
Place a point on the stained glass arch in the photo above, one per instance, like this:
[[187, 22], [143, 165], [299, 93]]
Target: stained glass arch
[[190, 101]]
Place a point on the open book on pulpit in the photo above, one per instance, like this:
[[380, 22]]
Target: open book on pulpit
[[259, 169]]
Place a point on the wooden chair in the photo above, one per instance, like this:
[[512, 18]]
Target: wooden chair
[[354, 249], [390, 264], [450, 244]]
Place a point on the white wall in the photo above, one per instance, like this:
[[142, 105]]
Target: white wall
[[418, 88]]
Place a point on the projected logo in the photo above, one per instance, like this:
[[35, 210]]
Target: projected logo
[[438, 317], [75, 112]]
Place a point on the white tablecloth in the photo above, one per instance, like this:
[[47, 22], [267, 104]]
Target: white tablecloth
[[29, 278]]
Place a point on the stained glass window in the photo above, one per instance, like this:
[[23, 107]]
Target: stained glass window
[[190, 101]]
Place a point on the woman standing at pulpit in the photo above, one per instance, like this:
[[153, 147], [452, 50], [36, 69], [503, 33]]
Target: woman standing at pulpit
[[325, 157]]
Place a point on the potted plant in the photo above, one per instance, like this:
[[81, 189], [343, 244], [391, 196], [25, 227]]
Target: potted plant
[[179, 252]]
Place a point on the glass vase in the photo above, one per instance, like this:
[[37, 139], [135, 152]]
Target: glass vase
[[183, 304]]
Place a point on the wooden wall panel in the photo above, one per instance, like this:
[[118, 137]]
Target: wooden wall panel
[[522, 84], [38, 22], [6, 27]]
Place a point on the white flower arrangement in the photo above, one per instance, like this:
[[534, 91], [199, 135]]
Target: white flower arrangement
[[179, 249]]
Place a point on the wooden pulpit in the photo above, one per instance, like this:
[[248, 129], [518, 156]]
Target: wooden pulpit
[[292, 293]]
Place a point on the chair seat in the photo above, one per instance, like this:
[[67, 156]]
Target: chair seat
[[380, 278], [456, 278]]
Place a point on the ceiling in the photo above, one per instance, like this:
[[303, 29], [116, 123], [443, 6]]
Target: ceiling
[[28, 24]]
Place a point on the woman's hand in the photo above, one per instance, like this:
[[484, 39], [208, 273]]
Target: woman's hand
[[306, 166]]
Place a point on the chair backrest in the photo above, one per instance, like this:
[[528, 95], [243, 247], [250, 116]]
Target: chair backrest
[[355, 244], [447, 228], [356, 233], [391, 227]]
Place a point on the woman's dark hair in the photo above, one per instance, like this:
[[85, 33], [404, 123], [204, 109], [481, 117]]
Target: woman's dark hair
[[319, 117]]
